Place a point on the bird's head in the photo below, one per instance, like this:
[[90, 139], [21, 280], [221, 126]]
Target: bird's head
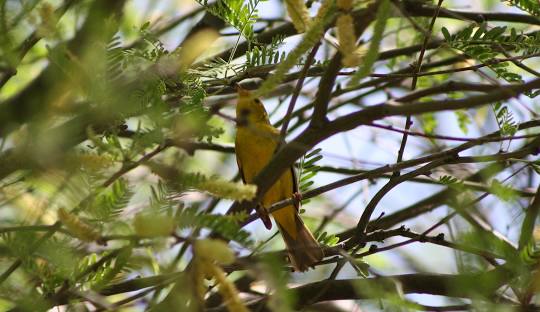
[[249, 109]]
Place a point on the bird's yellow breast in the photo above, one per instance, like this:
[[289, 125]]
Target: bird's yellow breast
[[255, 146]]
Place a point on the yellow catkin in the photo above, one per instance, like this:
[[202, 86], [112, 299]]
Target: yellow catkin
[[208, 254], [344, 4], [323, 10], [47, 28], [311, 37], [299, 14], [192, 49], [346, 37], [227, 289], [230, 190], [355, 58], [214, 250], [153, 225], [77, 227], [88, 161], [198, 277], [196, 45], [345, 33]]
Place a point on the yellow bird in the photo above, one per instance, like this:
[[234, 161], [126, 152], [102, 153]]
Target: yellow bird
[[256, 142]]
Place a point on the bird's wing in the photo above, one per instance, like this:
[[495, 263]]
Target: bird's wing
[[295, 186], [240, 170], [276, 134]]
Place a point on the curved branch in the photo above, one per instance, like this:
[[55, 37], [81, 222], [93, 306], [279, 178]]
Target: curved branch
[[291, 152], [450, 285]]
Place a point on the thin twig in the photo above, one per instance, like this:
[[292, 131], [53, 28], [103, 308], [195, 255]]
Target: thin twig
[[453, 152], [453, 138], [418, 68], [297, 89]]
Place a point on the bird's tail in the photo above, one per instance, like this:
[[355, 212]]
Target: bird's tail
[[304, 250]]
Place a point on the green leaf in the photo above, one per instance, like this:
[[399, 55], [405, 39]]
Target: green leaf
[[446, 34], [529, 6], [479, 32], [110, 202], [145, 26], [429, 122], [502, 191], [495, 32], [483, 47], [463, 120], [313, 152]]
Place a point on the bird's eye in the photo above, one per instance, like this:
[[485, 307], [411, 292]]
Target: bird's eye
[[257, 101]]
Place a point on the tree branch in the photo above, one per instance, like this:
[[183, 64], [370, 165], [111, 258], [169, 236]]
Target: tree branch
[[450, 155], [324, 92], [458, 285]]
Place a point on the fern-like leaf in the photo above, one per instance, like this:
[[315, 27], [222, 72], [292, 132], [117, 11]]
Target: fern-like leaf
[[110, 202], [266, 54], [479, 43], [529, 6], [328, 240], [236, 13], [308, 170], [505, 120], [452, 182], [485, 45]]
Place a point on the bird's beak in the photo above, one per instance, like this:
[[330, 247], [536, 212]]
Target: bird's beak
[[241, 91]]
